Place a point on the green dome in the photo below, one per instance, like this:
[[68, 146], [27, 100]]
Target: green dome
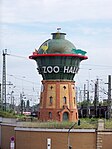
[[58, 44], [58, 58]]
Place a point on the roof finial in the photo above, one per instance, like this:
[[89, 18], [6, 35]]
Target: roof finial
[[58, 29]]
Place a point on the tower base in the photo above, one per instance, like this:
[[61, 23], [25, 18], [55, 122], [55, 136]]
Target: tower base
[[58, 101]]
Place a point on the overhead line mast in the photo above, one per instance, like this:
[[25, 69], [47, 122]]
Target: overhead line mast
[[3, 106]]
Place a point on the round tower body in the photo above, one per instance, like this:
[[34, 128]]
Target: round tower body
[[58, 61]]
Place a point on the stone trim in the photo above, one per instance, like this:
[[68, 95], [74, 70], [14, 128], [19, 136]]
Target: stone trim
[[54, 130]]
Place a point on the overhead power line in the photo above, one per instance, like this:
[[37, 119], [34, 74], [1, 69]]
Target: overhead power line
[[18, 56], [23, 79], [25, 57], [97, 65]]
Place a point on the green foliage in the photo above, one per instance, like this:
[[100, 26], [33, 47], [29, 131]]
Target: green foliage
[[84, 103], [89, 123], [105, 103], [7, 114], [108, 124], [50, 124], [84, 123], [11, 114]]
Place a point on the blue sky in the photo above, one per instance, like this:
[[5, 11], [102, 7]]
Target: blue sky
[[25, 25]]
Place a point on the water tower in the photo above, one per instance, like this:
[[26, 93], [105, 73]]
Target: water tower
[[58, 61]]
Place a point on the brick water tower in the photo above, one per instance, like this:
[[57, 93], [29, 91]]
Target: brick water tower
[[58, 61]]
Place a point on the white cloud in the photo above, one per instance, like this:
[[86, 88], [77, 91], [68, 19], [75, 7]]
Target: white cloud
[[55, 10], [94, 38], [19, 40]]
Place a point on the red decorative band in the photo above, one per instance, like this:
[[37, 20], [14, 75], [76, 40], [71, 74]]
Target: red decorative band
[[50, 55]]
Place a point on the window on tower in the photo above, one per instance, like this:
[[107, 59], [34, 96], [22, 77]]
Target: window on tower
[[64, 87], [76, 116], [51, 100], [51, 87], [50, 115], [64, 100], [74, 100]]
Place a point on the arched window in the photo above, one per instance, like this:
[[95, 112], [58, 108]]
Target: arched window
[[74, 101], [50, 115], [76, 116], [50, 100], [64, 100], [65, 116]]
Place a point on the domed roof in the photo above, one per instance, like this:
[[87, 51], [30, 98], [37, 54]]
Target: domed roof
[[58, 44]]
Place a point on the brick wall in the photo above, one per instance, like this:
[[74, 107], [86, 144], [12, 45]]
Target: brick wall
[[35, 138]]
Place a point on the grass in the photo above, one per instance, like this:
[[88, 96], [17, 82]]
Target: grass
[[108, 124], [7, 114], [11, 114], [85, 124]]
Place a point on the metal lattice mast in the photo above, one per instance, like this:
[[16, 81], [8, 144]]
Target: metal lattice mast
[[109, 96], [0, 96], [96, 98], [3, 101]]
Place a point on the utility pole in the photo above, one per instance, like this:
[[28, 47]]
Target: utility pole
[[3, 101], [0, 96], [109, 97], [80, 96], [96, 98], [76, 94], [22, 103], [88, 106], [84, 91], [87, 90], [12, 100]]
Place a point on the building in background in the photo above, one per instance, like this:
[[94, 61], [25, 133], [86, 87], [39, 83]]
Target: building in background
[[58, 61]]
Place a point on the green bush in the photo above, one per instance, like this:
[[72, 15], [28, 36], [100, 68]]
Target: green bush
[[7, 114]]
